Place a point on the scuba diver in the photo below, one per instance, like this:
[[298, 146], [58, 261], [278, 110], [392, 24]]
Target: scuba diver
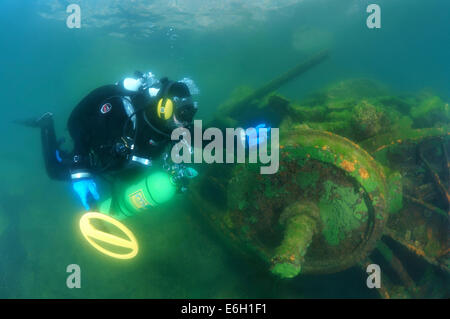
[[118, 131]]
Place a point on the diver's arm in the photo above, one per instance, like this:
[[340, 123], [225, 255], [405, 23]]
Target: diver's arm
[[84, 185], [80, 167], [81, 174], [181, 174]]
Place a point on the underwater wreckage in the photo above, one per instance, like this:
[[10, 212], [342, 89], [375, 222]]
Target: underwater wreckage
[[363, 179]]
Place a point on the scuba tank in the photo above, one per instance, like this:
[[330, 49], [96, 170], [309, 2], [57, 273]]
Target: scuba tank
[[154, 189]]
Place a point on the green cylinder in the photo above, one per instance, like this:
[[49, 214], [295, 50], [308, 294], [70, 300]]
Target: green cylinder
[[151, 191]]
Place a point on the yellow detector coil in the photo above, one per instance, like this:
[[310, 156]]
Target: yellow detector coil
[[90, 233]]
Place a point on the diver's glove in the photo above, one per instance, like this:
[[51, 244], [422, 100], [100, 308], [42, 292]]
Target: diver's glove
[[252, 141], [189, 172], [181, 176], [83, 188]]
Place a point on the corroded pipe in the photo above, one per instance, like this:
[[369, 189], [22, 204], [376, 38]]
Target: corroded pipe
[[383, 141], [442, 188], [397, 266], [301, 225], [416, 250], [426, 205], [231, 109]]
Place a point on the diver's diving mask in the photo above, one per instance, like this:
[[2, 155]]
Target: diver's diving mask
[[180, 110]]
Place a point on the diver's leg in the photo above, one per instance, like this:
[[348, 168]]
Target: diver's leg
[[54, 164]]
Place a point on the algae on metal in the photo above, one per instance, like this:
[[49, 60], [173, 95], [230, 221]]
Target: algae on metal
[[341, 211], [336, 150]]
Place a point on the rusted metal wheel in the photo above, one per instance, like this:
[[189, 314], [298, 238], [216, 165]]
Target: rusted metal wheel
[[322, 212]]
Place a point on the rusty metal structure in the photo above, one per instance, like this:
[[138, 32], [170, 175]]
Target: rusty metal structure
[[344, 196]]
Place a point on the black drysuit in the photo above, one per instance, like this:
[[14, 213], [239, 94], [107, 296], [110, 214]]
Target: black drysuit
[[108, 127]]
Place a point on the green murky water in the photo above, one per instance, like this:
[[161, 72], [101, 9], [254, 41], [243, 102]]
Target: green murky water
[[222, 46]]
